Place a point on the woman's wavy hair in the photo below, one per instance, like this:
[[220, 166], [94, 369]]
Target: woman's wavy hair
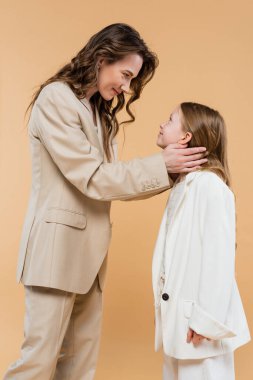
[[208, 129], [112, 43]]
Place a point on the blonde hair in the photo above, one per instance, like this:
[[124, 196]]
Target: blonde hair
[[208, 129]]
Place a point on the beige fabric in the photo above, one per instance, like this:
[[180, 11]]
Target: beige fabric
[[61, 335], [67, 228]]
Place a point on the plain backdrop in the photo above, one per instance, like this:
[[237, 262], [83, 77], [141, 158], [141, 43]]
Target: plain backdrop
[[205, 48]]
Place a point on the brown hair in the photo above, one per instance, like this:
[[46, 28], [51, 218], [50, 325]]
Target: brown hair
[[208, 129], [112, 43]]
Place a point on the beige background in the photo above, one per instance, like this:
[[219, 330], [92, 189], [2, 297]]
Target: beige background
[[206, 55]]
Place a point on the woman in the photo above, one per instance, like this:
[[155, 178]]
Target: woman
[[63, 250]]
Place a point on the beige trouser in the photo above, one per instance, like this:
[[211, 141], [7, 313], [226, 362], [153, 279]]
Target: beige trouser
[[61, 332]]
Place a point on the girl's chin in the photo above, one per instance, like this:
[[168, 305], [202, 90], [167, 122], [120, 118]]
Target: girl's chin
[[160, 145], [159, 142]]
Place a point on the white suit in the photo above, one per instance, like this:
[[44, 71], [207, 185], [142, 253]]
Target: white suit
[[196, 250]]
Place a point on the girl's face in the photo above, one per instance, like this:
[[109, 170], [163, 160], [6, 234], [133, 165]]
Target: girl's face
[[116, 77], [171, 131]]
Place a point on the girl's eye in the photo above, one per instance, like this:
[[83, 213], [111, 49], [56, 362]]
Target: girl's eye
[[126, 75]]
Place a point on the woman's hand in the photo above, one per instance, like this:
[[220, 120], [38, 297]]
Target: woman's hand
[[195, 338], [180, 159]]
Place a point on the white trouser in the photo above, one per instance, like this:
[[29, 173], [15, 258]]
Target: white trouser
[[214, 368]]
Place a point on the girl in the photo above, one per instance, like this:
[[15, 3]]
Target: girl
[[199, 316], [75, 175]]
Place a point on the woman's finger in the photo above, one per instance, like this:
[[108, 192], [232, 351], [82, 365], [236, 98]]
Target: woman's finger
[[177, 146], [191, 164], [189, 170], [194, 157], [193, 151]]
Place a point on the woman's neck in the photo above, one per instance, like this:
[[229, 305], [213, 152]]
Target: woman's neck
[[90, 92]]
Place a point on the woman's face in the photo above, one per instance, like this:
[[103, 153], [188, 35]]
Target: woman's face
[[171, 131], [116, 77]]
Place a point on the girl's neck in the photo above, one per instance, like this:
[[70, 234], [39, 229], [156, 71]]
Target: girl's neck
[[177, 177]]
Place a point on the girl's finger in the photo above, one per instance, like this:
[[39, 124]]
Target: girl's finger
[[197, 338], [189, 336]]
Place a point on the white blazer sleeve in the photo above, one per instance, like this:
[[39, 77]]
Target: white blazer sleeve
[[56, 119], [218, 258]]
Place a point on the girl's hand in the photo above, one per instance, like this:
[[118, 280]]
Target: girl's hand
[[195, 338], [180, 159]]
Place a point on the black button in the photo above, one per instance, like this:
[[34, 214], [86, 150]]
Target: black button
[[165, 296]]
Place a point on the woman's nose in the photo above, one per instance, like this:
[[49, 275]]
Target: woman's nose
[[126, 88]]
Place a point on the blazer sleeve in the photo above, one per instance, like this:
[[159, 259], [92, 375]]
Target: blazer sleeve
[[209, 313], [56, 120]]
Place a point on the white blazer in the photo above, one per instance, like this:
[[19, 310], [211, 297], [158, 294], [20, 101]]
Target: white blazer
[[196, 246]]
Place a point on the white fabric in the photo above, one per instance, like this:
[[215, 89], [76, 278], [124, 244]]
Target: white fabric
[[196, 248], [215, 368]]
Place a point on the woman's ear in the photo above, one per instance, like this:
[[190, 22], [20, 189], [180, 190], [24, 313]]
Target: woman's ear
[[186, 138], [100, 62]]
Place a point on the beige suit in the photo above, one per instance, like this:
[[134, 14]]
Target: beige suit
[[67, 228], [66, 234]]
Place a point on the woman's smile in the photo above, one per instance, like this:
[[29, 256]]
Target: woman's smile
[[116, 92]]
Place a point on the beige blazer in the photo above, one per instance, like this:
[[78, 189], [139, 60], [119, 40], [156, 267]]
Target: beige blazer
[[67, 227]]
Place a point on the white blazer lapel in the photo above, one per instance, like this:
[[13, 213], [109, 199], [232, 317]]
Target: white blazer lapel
[[166, 223], [180, 192], [157, 256]]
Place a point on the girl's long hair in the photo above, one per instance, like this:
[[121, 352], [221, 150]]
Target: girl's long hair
[[112, 43], [209, 130]]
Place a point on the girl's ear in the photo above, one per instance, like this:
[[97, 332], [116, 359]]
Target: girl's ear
[[186, 138]]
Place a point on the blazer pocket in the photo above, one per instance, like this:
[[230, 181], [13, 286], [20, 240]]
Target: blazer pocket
[[188, 305], [66, 217]]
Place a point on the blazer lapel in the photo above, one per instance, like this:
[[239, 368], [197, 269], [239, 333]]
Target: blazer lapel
[[96, 131], [179, 193], [176, 201], [99, 130]]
